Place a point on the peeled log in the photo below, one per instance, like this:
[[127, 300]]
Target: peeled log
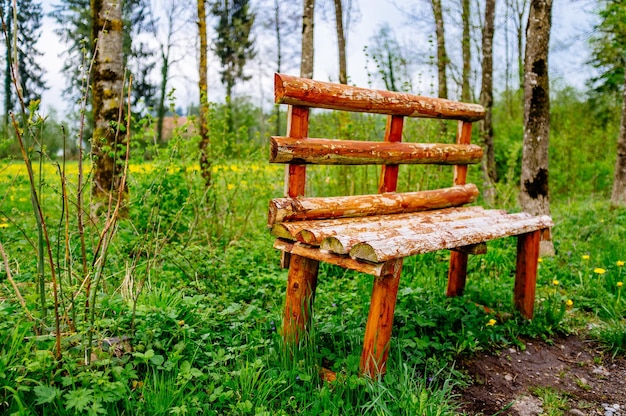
[[449, 235], [355, 152], [340, 240], [293, 90], [299, 209]]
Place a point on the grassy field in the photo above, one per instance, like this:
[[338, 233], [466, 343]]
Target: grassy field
[[177, 308]]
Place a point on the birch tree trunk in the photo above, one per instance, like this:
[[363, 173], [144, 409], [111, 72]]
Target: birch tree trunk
[[108, 147], [486, 99], [467, 54], [618, 197], [341, 43], [306, 64], [534, 195], [442, 57], [205, 161]]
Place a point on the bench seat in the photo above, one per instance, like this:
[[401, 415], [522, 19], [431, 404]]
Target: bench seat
[[384, 237]]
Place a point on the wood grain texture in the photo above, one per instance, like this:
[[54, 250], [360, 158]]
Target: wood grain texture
[[355, 152], [299, 209], [295, 174], [340, 237], [526, 272], [306, 92], [388, 180], [380, 322], [449, 235], [463, 138], [301, 284], [304, 250]]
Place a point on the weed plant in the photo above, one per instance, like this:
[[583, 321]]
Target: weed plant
[[187, 317]]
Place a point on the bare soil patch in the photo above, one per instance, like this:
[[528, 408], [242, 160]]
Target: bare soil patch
[[507, 384]]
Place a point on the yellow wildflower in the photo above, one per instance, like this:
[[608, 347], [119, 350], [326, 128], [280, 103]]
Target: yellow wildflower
[[230, 186], [620, 284], [619, 263], [4, 224], [586, 257], [539, 260], [569, 303], [599, 270], [491, 322], [555, 282]]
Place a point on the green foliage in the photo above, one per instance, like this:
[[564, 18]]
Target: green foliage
[[234, 45], [609, 45]]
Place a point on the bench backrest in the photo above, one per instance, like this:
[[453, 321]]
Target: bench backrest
[[297, 150]]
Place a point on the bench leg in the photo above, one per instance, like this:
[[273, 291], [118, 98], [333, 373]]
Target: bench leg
[[380, 321], [457, 273], [301, 284], [526, 272]]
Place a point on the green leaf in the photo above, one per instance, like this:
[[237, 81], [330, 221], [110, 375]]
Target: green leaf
[[78, 399], [46, 394]]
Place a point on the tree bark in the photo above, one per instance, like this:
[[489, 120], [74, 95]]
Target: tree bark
[[618, 196], [108, 148], [534, 195], [341, 43], [466, 93], [205, 161], [520, 9], [486, 98], [306, 64], [442, 57]]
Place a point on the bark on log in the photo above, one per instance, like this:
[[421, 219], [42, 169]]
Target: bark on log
[[305, 92], [448, 236], [348, 229], [299, 209], [355, 152], [314, 253]]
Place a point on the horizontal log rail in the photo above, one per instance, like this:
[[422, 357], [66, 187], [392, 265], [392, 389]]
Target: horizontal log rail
[[355, 152], [300, 209], [297, 91]]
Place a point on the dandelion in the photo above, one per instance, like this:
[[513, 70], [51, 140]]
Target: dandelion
[[230, 186], [4, 224], [569, 303], [491, 322], [586, 257], [555, 282], [539, 260], [619, 263], [599, 270], [620, 284]]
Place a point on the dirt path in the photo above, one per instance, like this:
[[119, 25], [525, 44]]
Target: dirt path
[[587, 381]]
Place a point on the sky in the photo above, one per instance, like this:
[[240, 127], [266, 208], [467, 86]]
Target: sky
[[572, 23]]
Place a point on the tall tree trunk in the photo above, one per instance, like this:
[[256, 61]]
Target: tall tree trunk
[[7, 70], [108, 148], [442, 56], [534, 195], [306, 64], [205, 160], [618, 197], [279, 58], [165, 64], [520, 9], [341, 43], [466, 94], [486, 92]]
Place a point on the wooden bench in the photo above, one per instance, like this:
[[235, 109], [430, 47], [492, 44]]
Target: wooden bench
[[373, 233]]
